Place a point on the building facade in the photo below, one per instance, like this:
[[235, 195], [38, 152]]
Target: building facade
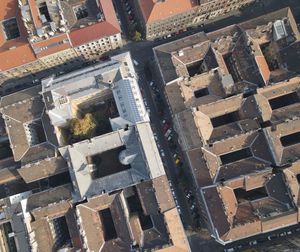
[[161, 18]]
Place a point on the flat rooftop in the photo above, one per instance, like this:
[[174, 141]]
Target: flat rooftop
[[91, 86]]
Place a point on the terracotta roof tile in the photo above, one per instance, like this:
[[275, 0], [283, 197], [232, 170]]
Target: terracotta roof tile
[[51, 45], [263, 68], [35, 13], [109, 13], [20, 52], [16, 57], [154, 10], [106, 28], [91, 33]]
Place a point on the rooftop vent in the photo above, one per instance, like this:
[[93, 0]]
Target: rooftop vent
[[180, 53]]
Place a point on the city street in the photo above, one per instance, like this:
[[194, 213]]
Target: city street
[[142, 53]]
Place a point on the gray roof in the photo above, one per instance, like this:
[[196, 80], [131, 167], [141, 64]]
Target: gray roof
[[115, 76], [19, 110], [139, 143]]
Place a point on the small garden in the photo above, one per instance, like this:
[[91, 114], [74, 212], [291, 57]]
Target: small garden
[[94, 122]]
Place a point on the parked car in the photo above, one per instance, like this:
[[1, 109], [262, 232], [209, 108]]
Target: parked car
[[135, 63], [104, 58], [177, 161], [168, 132]]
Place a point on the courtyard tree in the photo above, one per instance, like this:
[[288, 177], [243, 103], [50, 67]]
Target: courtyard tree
[[83, 128]]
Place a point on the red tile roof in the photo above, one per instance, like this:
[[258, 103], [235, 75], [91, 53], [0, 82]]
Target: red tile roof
[[103, 29], [16, 57], [91, 33], [35, 13], [20, 52], [263, 68], [154, 10], [17, 52], [50, 43]]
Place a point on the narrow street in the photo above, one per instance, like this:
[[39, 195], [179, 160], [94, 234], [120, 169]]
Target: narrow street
[[156, 123]]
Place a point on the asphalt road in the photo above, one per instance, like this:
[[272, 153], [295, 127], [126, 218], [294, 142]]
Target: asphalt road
[[156, 124]]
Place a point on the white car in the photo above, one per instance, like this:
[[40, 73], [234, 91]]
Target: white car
[[135, 63], [179, 210]]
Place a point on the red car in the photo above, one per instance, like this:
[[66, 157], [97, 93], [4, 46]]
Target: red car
[[166, 126]]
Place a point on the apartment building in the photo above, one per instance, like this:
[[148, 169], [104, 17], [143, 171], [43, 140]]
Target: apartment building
[[107, 191], [38, 35], [163, 17], [234, 100]]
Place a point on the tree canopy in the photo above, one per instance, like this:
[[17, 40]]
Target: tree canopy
[[83, 128], [137, 36]]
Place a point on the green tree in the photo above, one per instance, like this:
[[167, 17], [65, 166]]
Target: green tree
[[137, 36], [83, 128]]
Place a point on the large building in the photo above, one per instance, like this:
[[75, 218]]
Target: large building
[[234, 100], [38, 35], [163, 17], [105, 191], [140, 217]]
